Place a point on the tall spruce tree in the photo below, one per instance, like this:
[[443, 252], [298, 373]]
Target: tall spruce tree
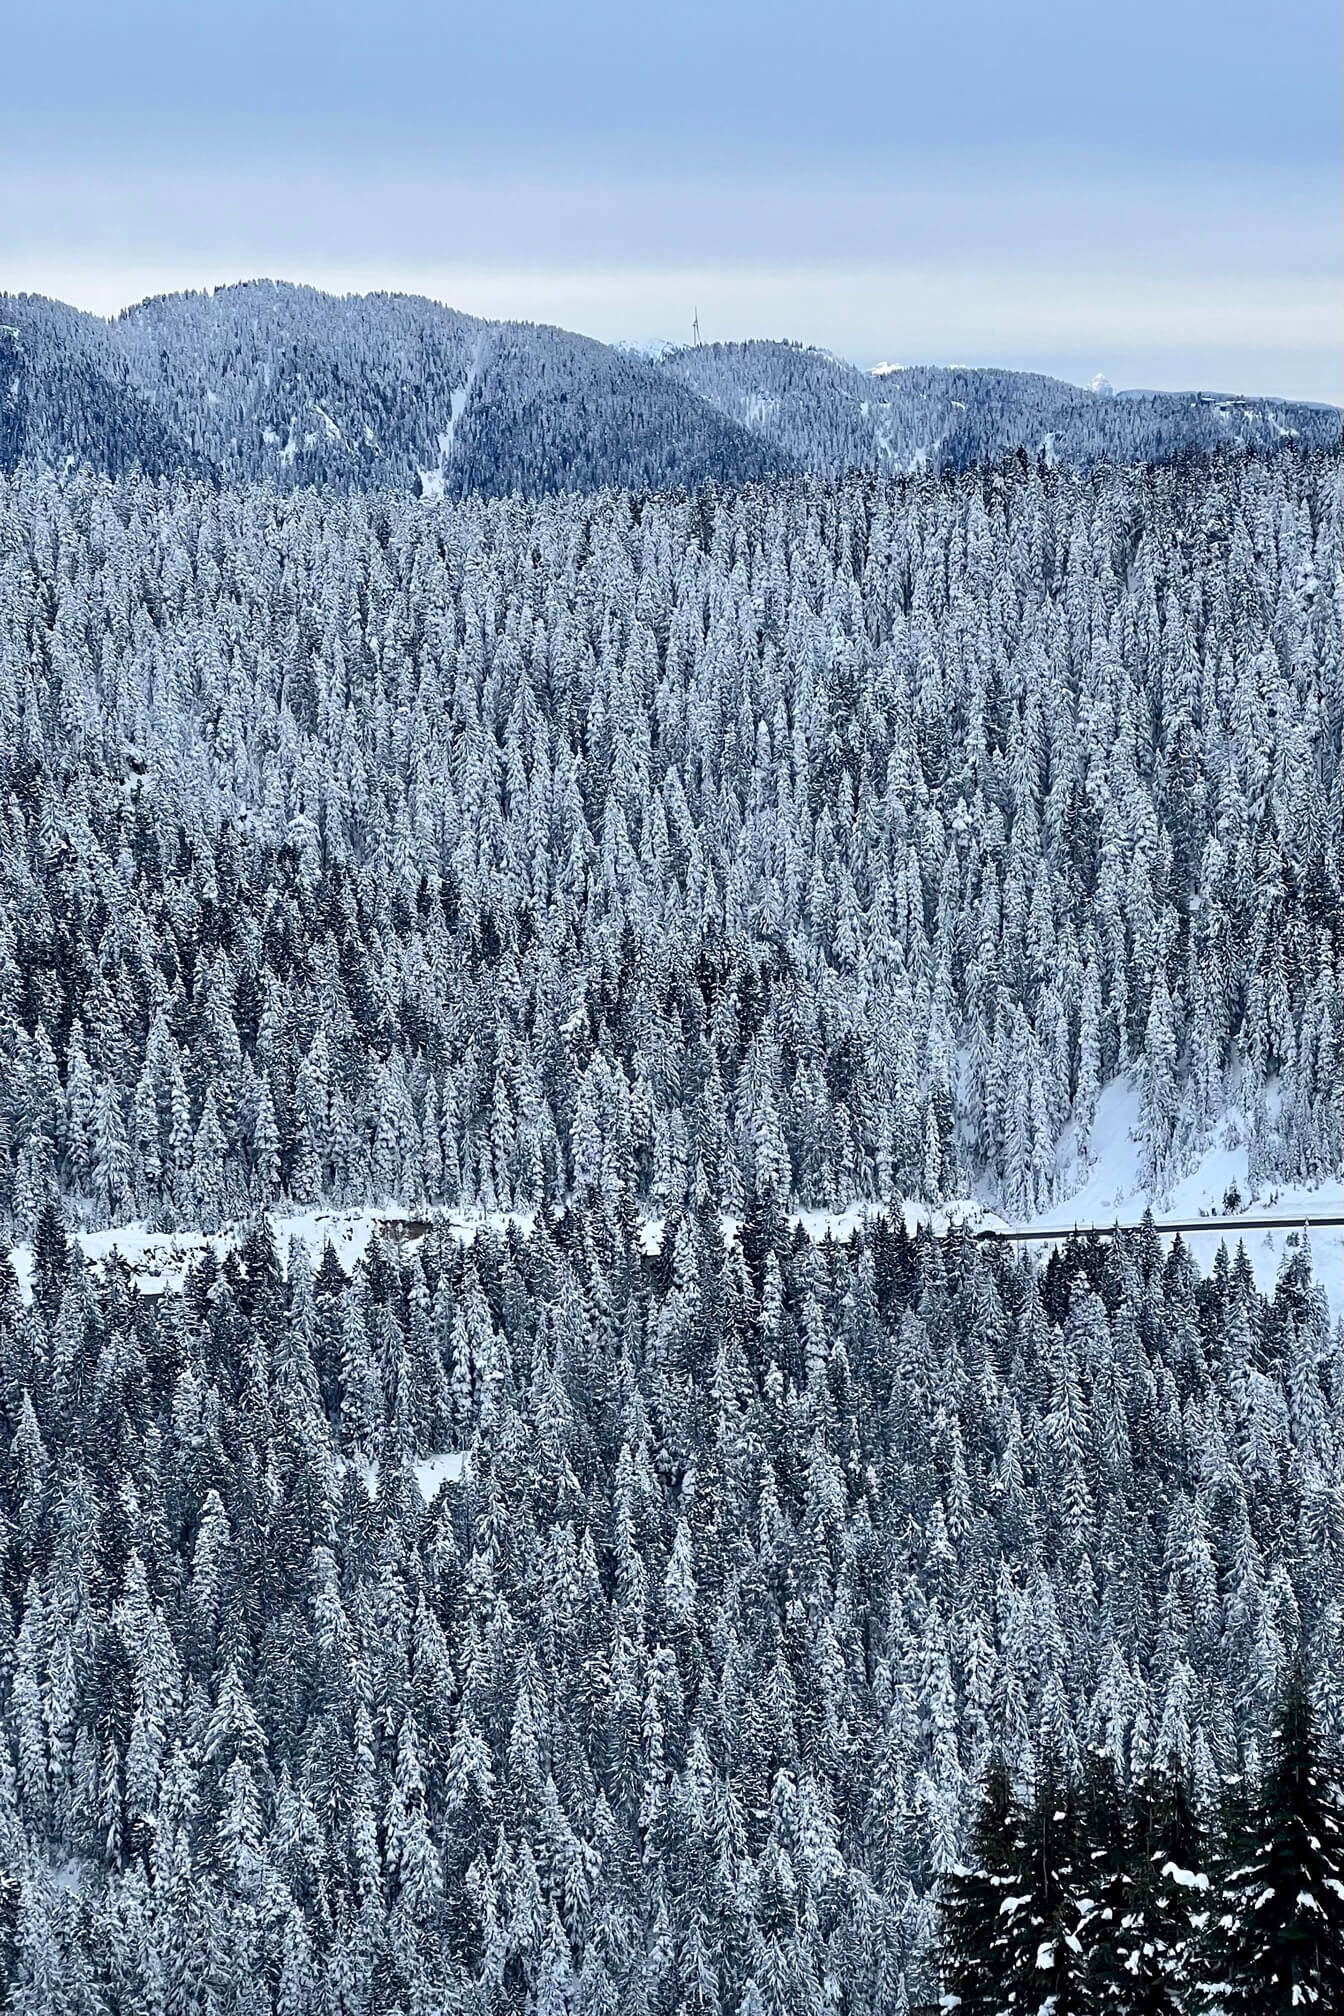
[[1108, 1881], [975, 1949], [1046, 1965], [1161, 1938], [1277, 1937]]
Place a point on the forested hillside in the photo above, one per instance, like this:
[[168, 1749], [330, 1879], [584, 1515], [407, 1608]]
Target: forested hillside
[[645, 1609], [827, 842], [677, 1696], [289, 386], [832, 418], [282, 384]]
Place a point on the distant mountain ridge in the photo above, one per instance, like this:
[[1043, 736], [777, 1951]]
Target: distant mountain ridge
[[268, 382], [265, 381], [832, 417]]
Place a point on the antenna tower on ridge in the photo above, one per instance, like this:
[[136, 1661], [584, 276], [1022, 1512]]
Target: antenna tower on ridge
[[695, 329]]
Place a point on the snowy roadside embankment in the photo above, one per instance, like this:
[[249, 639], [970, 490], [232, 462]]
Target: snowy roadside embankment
[[159, 1261], [1097, 1189], [1106, 1186]]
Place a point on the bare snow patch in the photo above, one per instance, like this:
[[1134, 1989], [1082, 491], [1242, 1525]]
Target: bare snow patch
[[1105, 1185], [431, 479], [445, 1466], [160, 1261], [1188, 1879], [432, 1472]]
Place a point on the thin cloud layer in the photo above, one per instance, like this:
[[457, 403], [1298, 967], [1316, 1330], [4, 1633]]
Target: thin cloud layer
[[946, 184]]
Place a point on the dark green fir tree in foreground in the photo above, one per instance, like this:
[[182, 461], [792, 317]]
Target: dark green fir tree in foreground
[[1278, 1936], [1159, 1940], [1115, 1901], [1110, 1880], [1012, 1923], [1047, 1960], [974, 1898]]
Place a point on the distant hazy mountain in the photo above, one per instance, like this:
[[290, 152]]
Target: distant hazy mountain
[[831, 417], [267, 381]]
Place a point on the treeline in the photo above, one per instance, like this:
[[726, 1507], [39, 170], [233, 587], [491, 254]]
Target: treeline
[[674, 1698]]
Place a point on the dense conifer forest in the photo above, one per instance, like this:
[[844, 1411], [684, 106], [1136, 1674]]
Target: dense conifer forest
[[839, 841], [678, 1694], [642, 1607]]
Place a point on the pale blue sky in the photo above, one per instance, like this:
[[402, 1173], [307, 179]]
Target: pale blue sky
[[1152, 193]]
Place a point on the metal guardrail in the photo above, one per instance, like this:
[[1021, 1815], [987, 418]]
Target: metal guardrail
[[404, 1231], [1040, 1234]]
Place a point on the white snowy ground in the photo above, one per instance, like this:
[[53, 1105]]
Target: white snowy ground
[[1100, 1190], [160, 1260], [1107, 1188]]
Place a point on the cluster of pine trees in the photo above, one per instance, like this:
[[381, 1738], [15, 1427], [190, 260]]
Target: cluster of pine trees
[[835, 840], [675, 1698], [1093, 1896]]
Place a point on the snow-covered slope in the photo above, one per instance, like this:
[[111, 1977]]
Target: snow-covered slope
[[1098, 1190], [1106, 1186]]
